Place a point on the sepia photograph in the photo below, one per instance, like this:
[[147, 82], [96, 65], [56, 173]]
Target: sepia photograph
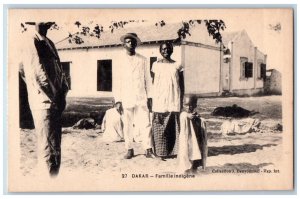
[[150, 99]]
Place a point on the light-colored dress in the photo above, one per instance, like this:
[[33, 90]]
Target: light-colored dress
[[166, 108], [166, 89], [192, 142]]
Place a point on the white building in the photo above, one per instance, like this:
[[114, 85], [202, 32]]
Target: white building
[[245, 68], [91, 65]]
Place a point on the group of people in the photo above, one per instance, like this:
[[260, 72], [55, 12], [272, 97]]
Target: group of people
[[174, 128], [152, 105]]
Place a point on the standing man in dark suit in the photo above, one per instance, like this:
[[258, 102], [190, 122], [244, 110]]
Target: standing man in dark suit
[[47, 89]]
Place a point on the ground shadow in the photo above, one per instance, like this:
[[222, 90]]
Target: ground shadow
[[140, 154], [216, 137], [236, 149]]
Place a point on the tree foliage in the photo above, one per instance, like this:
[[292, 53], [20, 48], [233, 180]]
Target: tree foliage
[[214, 28], [97, 30], [121, 24], [84, 31], [276, 27], [78, 24], [160, 23]]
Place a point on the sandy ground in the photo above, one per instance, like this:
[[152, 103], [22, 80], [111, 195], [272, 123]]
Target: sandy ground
[[86, 150]]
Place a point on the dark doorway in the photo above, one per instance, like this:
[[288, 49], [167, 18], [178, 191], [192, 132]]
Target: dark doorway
[[104, 75], [152, 60]]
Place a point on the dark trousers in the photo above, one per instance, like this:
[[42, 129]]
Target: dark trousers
[[48, 131]]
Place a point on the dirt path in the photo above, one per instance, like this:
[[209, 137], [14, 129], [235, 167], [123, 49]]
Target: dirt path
[[85, 150]]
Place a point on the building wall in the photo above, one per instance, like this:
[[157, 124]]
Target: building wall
[[202, 70], [199, 34], [202, 67], [261, 58], [83, 67], [243, 47], [275, 82], [225, 76]]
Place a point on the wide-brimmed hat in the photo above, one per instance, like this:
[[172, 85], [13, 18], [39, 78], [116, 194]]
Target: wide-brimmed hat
[[131, 35]]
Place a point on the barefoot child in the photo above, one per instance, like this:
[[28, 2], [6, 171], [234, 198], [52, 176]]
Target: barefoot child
[[192, 138]]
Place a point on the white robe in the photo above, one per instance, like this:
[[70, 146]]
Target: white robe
[[112, 125], [189, 149]]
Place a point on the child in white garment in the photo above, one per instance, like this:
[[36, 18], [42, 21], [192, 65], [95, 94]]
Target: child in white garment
[[112, 126], [192, 138]]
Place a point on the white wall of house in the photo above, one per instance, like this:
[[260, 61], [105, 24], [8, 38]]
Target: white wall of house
[[83, 67], [243, 47], [202, 70], [202, 66], [225, 76]]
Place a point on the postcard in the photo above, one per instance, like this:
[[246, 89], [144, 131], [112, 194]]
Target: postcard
[[150, 99]]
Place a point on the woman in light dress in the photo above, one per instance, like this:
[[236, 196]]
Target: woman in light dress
[[166, 98]]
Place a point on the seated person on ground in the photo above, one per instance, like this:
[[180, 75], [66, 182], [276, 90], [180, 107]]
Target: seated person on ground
[[112, 126]]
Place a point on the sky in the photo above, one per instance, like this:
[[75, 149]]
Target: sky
[[256, 22]]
